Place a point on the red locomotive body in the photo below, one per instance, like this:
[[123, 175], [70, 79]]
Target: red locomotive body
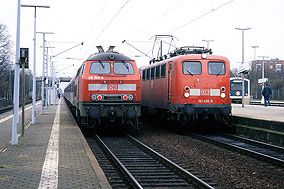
[[107, 87], [188, 87]]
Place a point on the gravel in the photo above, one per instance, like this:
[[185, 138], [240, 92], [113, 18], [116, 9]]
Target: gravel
[[227, 168]]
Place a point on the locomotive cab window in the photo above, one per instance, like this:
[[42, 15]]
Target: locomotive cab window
[[236, 86], [123, 68], [216, 68], [191, 68], [100, 68]]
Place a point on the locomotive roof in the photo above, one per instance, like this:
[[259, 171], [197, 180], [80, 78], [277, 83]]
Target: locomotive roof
[[109, 56]]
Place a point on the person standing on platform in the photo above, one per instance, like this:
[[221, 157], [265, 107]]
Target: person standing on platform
[[266, 92]]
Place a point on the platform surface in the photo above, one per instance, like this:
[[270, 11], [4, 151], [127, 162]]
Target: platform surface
[[269, 113], [53, 154]]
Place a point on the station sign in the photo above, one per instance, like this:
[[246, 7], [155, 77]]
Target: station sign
[[263, 80]]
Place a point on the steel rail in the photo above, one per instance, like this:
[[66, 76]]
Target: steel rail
[[249, 152], [130, 177], [176, 168]]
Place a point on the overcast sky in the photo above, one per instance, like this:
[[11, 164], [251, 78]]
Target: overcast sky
[[109, 22]]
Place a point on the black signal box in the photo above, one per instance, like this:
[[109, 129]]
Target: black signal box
[[24, 57]]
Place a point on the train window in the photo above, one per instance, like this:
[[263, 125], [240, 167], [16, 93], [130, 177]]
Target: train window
[[152, 72], [82, 69], [216, 68], [100, 68], [191, 68], [78, 71], [144, 75], [123, 68], [148, 74], [163, 70], [236, 86], [158, 71]]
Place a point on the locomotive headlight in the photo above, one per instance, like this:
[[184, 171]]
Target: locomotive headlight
[[186, 94], [203, 56], [223, 89], [186, 88], [93, 97], [124, 97], [223, 95], [130, 97], [99, 97]]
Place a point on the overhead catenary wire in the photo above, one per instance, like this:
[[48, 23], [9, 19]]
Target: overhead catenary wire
[[191, 21], [110, 22]]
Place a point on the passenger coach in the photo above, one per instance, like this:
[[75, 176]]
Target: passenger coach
[[106, 88], [188, 85]]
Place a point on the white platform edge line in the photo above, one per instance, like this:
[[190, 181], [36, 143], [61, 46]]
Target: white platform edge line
[[49, 175]]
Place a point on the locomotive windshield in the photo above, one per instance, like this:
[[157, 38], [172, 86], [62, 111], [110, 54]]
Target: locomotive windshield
[[216, 68], [123, 68], [100, 68], [236, 86], [191, 68]]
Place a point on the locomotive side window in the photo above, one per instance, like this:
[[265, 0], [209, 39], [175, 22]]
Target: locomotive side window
[[216, 68], [148, 74], [82, 69], [100, 68], [123, 68], [144, 75], [191, 68], [163, 70], [152, 72], [158, 71]]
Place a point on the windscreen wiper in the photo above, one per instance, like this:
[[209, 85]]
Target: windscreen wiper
[[102, 64], [189, 72], [219, 72], [125, 64]]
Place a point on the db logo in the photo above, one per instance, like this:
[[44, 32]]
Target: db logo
[[204, 91], [112, 87], [238, 93]]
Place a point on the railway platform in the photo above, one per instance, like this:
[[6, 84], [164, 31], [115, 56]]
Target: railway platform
[[52, 154], [260, 123], [269, 113]]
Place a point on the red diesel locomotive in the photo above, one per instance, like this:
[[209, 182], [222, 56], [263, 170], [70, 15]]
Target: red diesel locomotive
[[106, 88], [188, 85]]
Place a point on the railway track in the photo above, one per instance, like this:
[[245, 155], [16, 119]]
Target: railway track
[[128, 163], [263, 151]]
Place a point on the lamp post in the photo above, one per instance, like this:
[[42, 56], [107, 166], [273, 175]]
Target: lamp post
[[243, 86], [34, 64], [207, 41], [263, 57], [254, 48], [16, 79], [43, 69]]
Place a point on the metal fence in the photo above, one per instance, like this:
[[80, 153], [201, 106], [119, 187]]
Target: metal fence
[[276, 94]]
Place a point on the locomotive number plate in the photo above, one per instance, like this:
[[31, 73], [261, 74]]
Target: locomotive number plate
[[112, 87]]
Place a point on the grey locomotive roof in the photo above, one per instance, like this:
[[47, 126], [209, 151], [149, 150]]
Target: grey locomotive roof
[[109, 56]]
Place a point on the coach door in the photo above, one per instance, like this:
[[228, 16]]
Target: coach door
[[170, 73]]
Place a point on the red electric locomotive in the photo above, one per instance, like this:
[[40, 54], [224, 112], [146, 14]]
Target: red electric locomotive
[[188, 85], [106, 88]]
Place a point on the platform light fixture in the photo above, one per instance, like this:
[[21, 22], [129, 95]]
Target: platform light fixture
[[34, 63], [243, 83]]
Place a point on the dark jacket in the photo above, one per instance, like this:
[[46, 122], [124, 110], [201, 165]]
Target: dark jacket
[[266, 92]]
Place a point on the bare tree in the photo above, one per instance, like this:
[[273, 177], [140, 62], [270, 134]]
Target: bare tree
[[6, 54]]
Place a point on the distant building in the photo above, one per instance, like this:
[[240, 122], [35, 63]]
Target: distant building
[[274, 65]]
